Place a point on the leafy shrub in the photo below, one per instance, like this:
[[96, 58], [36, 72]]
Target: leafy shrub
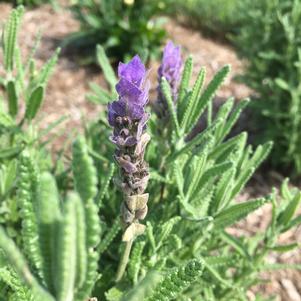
[[183, 251], [22, 90], [192, 189], [217, 17], [122, 27], [29, 3], [270, 41]]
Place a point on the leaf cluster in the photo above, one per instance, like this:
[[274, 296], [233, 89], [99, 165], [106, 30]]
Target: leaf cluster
[[123, 28], [270, 40]]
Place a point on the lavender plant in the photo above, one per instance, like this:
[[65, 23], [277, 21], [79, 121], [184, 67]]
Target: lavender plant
[[22, 93], [59, 260], [273, 71], [71, 244], [194, 180]]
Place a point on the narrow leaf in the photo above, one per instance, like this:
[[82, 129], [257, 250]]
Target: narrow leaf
[[34, 102]]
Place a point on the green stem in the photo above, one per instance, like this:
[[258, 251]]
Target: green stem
[[124, 260]]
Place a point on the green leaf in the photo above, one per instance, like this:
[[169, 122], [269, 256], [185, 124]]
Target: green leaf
[[207, 96], [144, 288], [101, 96], [49, 215], [10, 37], [192, 101], [294, 222], [285, 248], [17, 261], [280, 266], [11, 152], [6, 120], [201, 141], [171, 108], [135, 261], [233, 118], [34, 102], [81, 247], [228, 146], [47, 69], [177, 281], [235, 243], [237, 212], [282, 84], [105, 184], [214, 171], [65, 266], [106, 67], [12, 98], [215, 274], [27, 203], [286, 215], [110, 235], [184, 85], [260, 155], [165, 230], [285, 191], [84, 171]]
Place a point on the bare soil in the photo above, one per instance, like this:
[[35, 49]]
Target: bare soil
[[66, 95]]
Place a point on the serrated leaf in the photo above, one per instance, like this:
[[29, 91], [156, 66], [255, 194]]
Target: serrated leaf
[[207, 96], [183, 89], [191, 102], [237, 212], [171, 108], [233, 118]]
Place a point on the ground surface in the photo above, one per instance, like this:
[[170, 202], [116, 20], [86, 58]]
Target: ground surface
[[69, 85]]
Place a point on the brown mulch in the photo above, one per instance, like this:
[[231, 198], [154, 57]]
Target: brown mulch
[[66, 95]]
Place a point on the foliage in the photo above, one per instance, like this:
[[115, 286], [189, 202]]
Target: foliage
[[59, 238], [30, 3], [23, 87], [70, 243], [216, 17], [193, 185], [274, 72], [123, 28]]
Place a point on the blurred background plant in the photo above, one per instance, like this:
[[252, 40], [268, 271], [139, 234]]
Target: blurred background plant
[[270, 41], [31, 3], [219, 17], [122, 27]]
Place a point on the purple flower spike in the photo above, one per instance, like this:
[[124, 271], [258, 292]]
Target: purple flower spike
[[128, 118], [170, 68]]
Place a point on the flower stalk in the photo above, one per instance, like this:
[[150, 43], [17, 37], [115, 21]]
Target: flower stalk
[[128, 118]]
